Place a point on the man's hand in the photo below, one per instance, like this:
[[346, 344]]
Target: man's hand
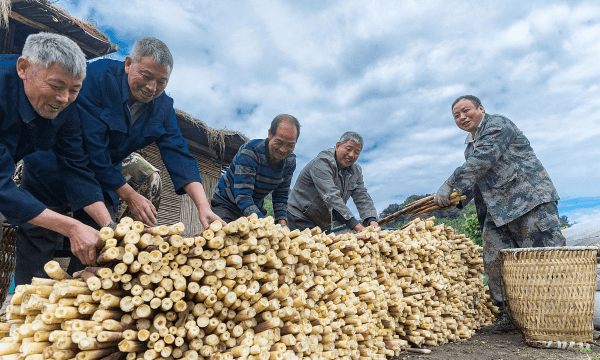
[[83, 243], [282, 222], [442, 196], [83, 238], [374, 224], [142, 209], [358, 227], [207, 217]]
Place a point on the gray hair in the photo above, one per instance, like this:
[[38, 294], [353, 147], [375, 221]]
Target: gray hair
[[287, 118], [158, 50], [474, 99], [45, 49], [351, 136]]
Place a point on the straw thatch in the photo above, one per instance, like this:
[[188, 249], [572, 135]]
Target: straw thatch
[[4, 12], [31, 16], [86, 25], [216, 137]]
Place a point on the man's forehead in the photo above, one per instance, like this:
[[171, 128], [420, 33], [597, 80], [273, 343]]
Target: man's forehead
[[279, 133], [462, 103], [149, 62], [58, 73], [352, 143]]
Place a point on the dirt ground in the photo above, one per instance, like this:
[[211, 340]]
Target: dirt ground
[[507, 346]]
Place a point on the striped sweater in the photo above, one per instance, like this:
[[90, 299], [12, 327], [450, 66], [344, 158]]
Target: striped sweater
[[251, 176]]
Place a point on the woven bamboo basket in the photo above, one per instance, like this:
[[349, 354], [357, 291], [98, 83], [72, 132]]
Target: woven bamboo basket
[[550, 294], [7, 260]]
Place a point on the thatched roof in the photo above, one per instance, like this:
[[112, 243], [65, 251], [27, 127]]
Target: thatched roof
[[220, 145], [25, 17]]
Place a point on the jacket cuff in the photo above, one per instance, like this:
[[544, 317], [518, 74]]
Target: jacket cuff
[[368, 220], [351, 222], [252, 209]]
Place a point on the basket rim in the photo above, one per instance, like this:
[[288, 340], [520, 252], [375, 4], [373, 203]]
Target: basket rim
[[559, 248]]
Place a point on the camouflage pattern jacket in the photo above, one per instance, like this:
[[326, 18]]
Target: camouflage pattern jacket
[[502, 172]]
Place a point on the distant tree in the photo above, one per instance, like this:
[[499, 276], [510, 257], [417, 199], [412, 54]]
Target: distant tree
[[392, 208], [268, 203], [564, 222]]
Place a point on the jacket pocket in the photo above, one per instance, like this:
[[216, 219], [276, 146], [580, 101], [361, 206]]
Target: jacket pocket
[[113, 121], [316, 211], [501, 174]]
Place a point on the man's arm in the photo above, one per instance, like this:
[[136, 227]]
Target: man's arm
[[281, 192], [141, 208], [196, 191], [16, 204], [243, 179], [364, 202], [81, 187], [83, 238]]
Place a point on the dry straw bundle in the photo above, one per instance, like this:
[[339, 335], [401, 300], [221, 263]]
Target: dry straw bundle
[[420, 207]]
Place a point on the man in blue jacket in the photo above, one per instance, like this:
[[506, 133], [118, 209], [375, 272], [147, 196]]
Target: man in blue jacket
[[37, 91], [123, 108]]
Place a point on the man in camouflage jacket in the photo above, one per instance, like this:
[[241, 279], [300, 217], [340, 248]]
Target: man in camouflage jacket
[[515, 198]]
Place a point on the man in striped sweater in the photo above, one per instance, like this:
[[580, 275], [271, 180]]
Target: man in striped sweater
[[260, 167]]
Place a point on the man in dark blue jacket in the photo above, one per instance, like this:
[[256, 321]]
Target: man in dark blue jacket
[[123, 108], [37, 91]]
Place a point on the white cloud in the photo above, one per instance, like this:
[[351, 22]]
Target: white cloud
[[388, 70]]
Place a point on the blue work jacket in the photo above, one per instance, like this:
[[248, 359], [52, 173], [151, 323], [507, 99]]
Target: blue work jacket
[[109, 136], [23, 131]]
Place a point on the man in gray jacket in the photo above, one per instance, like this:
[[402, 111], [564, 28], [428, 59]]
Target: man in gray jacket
[[515, 198], [325, 185]]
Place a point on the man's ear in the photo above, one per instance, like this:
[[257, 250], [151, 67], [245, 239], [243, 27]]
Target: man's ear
[[269, 135], [128, 62], [23, 67]]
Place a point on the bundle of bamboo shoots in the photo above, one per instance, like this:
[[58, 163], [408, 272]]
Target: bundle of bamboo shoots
[[420, 207], [253, 290]]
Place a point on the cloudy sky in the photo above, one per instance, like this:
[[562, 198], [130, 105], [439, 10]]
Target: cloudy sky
[[388, 70]]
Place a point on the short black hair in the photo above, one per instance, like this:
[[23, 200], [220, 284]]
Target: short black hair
[[474, 99], [284, 117]]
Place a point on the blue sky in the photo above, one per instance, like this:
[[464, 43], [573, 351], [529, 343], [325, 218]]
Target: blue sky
[[390, 71]]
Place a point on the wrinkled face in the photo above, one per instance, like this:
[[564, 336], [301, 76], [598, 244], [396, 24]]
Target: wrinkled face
[[283, 142], [467, 116], [49, 90], [146, 78], [347, 153]]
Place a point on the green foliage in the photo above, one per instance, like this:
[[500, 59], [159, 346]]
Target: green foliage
[[269, 206], [470, 228]]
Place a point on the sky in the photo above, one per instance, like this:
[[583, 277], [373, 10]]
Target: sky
[[388, 70]]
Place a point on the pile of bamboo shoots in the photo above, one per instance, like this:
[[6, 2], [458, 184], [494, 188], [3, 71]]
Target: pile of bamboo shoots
[[253, 290]]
